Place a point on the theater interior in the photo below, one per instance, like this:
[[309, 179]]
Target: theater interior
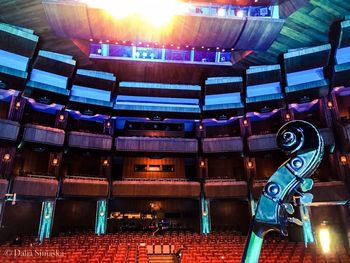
[[145, 130]]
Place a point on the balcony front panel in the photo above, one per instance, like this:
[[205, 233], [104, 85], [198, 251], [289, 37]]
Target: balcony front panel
[[85, 187], [149, 144], [43, 135], [330, 191], [89, 141], [9, 130], [257, 189], [156, 189], [257, 143], [35, 186], [226, 189], [222, 145], [3, 188]]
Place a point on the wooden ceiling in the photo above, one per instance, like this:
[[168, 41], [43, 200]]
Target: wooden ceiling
[[307, 24]]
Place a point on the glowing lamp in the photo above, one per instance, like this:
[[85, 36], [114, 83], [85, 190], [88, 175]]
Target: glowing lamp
[[102, 214], [205, 213], [202, 164], [6, 157], [54, 161], [108, 124], [105, 162], [47, 216], [343, 160], [324, 237], [330, 104], [18, 104], [245, 122], [287, 116], [61, 117], [200, 127], [240, 13], [250, 165], [221, 12]]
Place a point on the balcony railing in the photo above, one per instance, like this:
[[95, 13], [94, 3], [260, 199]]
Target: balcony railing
[[43, 135]]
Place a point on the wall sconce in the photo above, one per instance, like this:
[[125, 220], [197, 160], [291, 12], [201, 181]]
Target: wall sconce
[[202, 164], [330, 105], [343, 160], [105, 163], [54, 162], [108, 124], [245, 122], [61, 117], [6, 157], [18, 104], [287, 117], [250, 165], [200, 126]]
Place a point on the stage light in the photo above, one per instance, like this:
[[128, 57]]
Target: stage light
[[105, 163], [240, 13], [250, 165], [245, 122], [6, 157], [329, 104], [324, 237], [343, 160], [54, 162], [221, 12]]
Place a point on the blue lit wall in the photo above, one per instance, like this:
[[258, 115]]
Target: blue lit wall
[[101, 217], [205, 213], [46, 220]]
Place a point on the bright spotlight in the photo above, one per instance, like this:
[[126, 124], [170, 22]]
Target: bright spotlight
[[240, 13], [156, 12], [221, 12], [325, 240]]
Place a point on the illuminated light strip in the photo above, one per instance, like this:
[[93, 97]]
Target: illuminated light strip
[[101, 217], [46, 220], [157, 12]]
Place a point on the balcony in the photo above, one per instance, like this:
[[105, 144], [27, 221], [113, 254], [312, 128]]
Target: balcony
[[43, 135], [222, 145], [9, 130], [149, 144], [90, 141], [85, 186], [226, 189], [327, 135], [3, 188], [330, 191], [266, 142], [32, 185], [154, 188]]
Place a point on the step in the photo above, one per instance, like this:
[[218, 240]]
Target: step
[[161, 259]]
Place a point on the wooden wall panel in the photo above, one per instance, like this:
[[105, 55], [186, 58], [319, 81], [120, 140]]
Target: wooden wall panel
[[129, 163], [89, 140], [259, 33], [68, 19], [228, 168], [84, 187], [330, 191], [156, 189], [222, 145], [149, 144], [9, 130], [266, 142], [44, 135], [216, 190], [30, 186]]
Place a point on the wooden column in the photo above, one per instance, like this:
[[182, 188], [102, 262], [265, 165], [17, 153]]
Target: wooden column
[[17, 106], [55, 162], [61, 120], [7, 160]]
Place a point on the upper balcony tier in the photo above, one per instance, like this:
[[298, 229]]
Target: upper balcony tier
[[183, 24], [149, 144]]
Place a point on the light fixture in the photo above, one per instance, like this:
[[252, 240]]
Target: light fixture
[[18, 104], [324, 237], [105, 163], [200, 126], [205, 213], [107, 41], [240, 13], [250, 165], [108, 124], [287, 117], [221, 12], [54, 161], [245, 122], [330, 104], [91, 40], [343, 159], [202, 164], [61, 117], [6, 157]]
